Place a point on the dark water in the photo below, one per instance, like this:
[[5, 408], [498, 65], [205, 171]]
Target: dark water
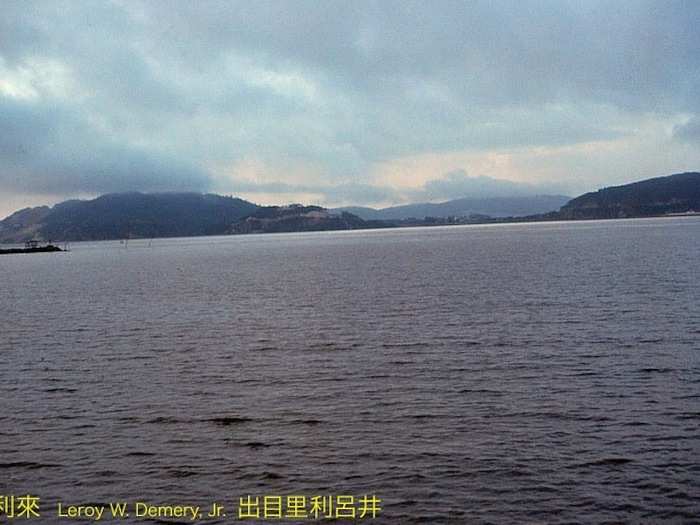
[[543, 373]]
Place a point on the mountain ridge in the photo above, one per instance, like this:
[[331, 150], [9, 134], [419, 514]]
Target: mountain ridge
[[678, 193], [124, 215], [134, 214], [491, 206]]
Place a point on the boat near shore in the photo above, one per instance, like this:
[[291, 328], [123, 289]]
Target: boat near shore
[[32, 247]]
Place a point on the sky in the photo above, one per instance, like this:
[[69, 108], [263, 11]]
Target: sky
[[336, 103]]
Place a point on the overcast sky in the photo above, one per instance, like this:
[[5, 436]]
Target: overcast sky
[[362, 102]]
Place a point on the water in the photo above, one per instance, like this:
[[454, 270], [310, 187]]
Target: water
[[531, 373]]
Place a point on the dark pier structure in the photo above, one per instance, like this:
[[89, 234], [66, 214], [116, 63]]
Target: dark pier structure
[[32, 247]]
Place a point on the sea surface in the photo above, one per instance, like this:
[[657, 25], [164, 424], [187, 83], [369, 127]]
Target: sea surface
[[525, 373]]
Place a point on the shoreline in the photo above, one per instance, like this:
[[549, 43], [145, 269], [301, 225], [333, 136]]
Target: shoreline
[[493, 222]]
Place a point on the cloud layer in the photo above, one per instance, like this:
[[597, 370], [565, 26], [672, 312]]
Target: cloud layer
[[362, 102]]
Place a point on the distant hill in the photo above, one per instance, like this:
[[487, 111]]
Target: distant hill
[[122, 215], [298, 218], [678, 193], [23, 225], [493, 207], [133, 215]]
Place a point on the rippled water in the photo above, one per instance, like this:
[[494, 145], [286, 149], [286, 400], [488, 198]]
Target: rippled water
[[532, 373]]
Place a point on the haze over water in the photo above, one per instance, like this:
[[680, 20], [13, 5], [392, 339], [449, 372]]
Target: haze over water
[[529, 373]]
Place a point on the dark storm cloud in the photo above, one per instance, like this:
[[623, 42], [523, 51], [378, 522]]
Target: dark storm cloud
[[48, 150], [137, 95], [635, 53]]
